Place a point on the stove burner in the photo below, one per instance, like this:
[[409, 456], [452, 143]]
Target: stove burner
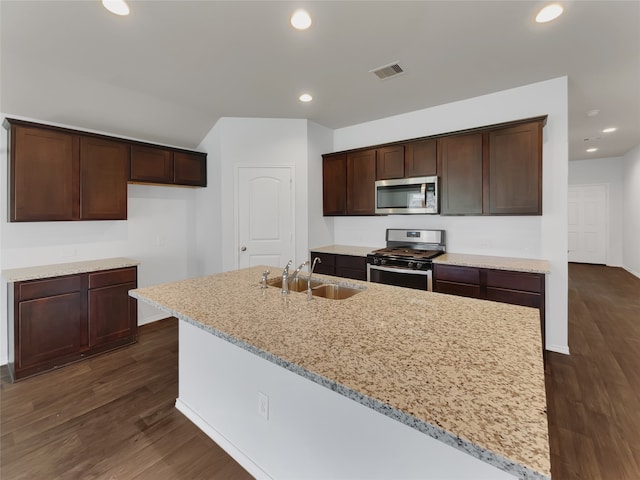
[[407, 252]]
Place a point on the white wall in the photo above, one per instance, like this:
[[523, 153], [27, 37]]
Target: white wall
[[631, 211], [320, 228], [160, 233], [534, 237], [604, 171]]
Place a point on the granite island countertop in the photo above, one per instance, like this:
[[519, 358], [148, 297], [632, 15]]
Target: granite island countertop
[[71, 268], [465, 371]]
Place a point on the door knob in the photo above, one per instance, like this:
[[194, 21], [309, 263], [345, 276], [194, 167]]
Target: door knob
[[243, 249]]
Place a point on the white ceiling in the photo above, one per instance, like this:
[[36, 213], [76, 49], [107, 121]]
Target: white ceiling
[[171, 69]]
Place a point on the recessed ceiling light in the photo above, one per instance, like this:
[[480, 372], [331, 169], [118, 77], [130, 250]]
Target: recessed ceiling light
[[592, 149], [301, 19], [305, 97], [548, 13], [119, 7], [609, 130]]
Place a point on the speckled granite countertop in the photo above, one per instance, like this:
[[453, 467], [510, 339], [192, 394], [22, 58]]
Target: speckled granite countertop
[[59, 269], [345, 250], [468, 372], [499, 263]]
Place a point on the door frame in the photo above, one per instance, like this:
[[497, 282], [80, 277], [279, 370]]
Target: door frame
[[607, 215], [236, 203]]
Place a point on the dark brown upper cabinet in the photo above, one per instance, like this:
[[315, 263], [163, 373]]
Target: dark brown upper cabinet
[[62, 174], [43, 174], [334, 184], [58, 174], [492, 170], [390, 162], [461, 174], [103, 179], [361, 178], [515, 170], [165, 166], [151, 164], [420, 159], [190, 169], [415, 159]]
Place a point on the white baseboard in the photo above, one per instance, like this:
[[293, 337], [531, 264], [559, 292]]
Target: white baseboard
[[559, 349], [233, 451], [635, 274]]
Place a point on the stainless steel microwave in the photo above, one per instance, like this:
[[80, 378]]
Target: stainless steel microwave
[[407, 196]]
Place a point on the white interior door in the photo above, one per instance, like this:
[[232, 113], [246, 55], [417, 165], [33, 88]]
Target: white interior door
[[265, 216], [588, 207]]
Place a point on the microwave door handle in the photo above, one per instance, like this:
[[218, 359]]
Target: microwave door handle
[[423, 191]]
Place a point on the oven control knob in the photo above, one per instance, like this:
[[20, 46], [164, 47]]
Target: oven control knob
[[419, 265], [376, 260], [383, 261], [410, 265]]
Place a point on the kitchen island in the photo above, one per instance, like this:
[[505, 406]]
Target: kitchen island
[[389, 383]]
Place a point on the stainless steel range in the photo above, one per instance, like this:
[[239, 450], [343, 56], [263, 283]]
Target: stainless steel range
[[406, 261]]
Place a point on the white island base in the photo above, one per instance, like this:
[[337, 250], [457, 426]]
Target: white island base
[[311, 431]]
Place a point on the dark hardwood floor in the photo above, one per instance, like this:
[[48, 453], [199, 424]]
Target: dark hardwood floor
[[113, 416], [593, 395], [109, 417]]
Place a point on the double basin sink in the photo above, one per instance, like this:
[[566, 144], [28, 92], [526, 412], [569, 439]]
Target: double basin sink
[[319, 288]]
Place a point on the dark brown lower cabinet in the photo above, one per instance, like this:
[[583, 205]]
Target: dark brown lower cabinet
[[516, 288], [347, 266], [56, 321]]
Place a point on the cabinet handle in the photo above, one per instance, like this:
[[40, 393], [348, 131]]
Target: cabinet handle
[[243, 249]]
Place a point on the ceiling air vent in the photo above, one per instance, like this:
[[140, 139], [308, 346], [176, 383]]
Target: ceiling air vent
[[388, 71]]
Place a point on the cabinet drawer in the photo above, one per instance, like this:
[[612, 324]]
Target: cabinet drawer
[[348, 261], [112, 277], [461, 289], [514, 297], [327, 259], [354, 273], [49, 287], [528, 282], [457, 274]]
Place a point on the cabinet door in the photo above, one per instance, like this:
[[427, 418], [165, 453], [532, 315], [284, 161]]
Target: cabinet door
[[190, 169], [112, 314], [334, 184], [327, 264], [361, 178], [349, 266], [461, 171], [420, 159], [49, 328], [44, 169], [151, 164], [104, 170], [515, 170], [390, 162]]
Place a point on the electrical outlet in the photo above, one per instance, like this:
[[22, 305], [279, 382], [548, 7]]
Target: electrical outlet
[[263, 405]]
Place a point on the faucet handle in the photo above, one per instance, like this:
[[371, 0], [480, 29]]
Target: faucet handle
[[263, 282]]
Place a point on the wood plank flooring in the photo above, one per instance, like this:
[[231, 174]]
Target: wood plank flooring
[[593, 395], [113, 416], [109, 417]]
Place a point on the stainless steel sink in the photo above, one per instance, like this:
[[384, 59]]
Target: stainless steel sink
[[298, 284], [335, 292]]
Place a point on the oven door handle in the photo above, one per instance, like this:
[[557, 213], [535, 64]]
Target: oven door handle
[[401, 270]]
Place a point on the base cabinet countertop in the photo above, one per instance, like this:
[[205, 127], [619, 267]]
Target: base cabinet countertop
[[466, 372]]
